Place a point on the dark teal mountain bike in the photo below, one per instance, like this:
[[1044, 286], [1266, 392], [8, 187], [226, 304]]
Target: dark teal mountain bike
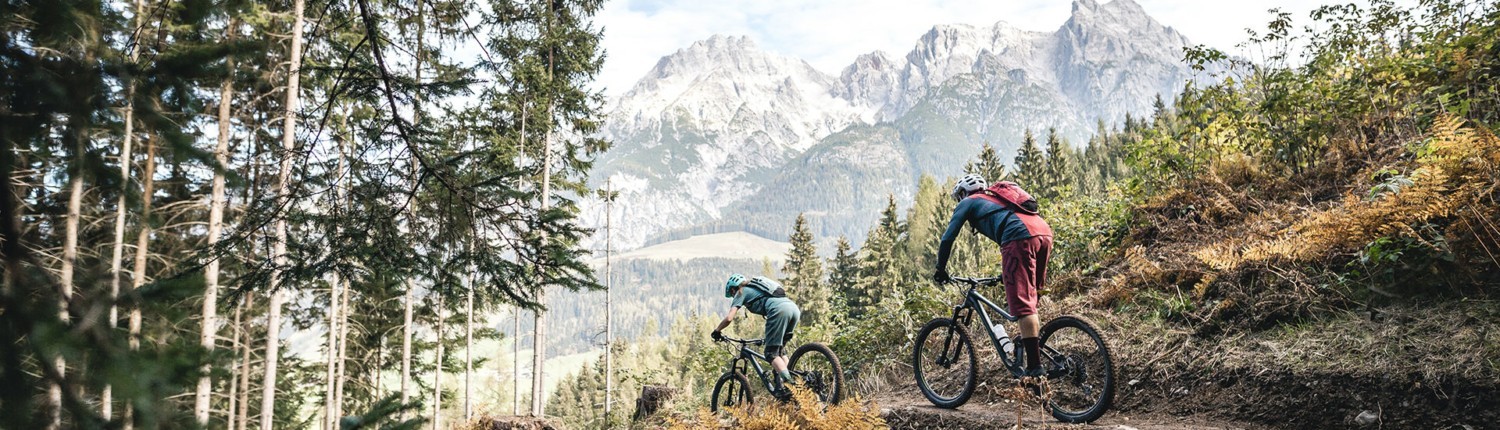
[[1079, 366], [813, 366]]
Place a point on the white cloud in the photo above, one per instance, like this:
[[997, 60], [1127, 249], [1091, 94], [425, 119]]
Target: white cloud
[[829, 34]]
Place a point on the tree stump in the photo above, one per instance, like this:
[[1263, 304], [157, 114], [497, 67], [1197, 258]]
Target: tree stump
[[653, 398]]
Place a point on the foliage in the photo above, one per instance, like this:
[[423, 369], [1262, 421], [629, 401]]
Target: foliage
[[415, 174], [804, 276]]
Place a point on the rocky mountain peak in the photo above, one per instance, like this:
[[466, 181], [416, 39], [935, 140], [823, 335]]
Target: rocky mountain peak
[[1120, 18], [1124, 7], [724, 42], [733, 54], [721, 120], [1113, 56]]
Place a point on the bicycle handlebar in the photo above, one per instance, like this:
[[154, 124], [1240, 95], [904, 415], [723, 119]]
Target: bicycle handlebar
[[978, 281], [756, 342]]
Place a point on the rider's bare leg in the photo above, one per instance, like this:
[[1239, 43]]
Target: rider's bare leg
[[779, 363], [1030, 330], [1031, 326]]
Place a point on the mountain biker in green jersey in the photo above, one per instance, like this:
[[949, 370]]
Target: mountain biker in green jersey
[[1025, 242], [767, 298]]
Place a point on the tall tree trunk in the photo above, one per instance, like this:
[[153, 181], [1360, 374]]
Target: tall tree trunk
[[437, 379], [331, 351], [538, 349], [142, 250], [406, 350], [515, 408], [252, 194], [283, 198], [234, 380], [609, 231], [335, 299], [65, 295], [345, 148], [106, 396], [245, 356], [538, 342], [215, 226], [411, 219], [338, 293], [469, 347], [375, 379], [12, 251], [343, 359]]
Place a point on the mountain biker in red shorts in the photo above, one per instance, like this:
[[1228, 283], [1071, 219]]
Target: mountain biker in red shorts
[[1025, 242]]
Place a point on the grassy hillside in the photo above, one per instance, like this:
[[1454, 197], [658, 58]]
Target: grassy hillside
[[733, 245]]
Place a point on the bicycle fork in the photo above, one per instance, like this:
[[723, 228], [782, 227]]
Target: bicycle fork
[[950, 351]]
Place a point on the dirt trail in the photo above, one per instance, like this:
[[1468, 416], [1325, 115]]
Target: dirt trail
[[1229, 399], [909, 410]]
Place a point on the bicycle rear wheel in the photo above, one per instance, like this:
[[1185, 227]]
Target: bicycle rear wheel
[[1080, 368], [732, 390], [944, 363], [817, 369]]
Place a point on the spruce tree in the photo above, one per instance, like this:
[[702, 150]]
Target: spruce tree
[[843, 273], [989, 165], [803, 274], [1059, 171], [1029, 164], [879, 260]]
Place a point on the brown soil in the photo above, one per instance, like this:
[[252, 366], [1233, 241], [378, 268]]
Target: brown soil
[[1319, 374], [1241, 399], [1285, 400], [911, 411]]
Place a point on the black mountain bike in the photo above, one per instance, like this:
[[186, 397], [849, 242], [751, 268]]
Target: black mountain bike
[[1077, 360], [813, 366]]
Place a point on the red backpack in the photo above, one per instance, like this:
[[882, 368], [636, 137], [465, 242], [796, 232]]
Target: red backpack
[[1010, 195]]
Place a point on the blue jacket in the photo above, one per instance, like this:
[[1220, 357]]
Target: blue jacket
[[991, 219]]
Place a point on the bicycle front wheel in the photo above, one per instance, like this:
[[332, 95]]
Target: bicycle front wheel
[[944, 363], [732, 390], [817, 369], [1080, 368]]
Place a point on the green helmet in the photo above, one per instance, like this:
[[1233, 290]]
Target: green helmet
[[734, 281]]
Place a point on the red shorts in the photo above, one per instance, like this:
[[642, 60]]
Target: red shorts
[[1024, 270]]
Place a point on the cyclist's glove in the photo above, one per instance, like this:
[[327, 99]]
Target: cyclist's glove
[[941, 277], [718, 337]]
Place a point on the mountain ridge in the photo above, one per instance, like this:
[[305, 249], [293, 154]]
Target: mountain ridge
[[718, 126]]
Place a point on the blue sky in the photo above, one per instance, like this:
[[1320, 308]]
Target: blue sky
[[829, 34]]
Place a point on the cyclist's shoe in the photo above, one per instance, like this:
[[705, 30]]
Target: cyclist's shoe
[[1033, 372], [1032, 380], [782, 394]]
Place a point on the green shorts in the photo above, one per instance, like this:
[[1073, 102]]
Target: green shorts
[[782, 316]]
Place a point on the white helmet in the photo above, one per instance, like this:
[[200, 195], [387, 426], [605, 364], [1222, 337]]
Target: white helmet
[[968, 184]]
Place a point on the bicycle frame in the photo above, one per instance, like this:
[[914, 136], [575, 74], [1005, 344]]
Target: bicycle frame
[[974, 302], [753, 359]]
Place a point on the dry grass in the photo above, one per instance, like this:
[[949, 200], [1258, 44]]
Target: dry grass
[[1242, 249], [803, 412], [1452, 177], [511, 423]]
